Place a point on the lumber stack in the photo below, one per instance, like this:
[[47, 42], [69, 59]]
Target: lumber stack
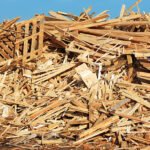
[[68, 80]]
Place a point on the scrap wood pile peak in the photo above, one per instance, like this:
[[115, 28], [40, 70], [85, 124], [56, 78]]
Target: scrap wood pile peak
[[75, 79]]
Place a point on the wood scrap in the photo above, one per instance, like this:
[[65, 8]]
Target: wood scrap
[[68, 79]]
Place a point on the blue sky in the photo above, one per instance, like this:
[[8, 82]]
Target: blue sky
[[28, 8]]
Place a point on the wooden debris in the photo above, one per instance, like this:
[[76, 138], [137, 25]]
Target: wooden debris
[[86, 75], [69, 79]]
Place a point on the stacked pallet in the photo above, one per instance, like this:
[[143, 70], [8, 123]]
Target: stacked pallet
[[70, 80]]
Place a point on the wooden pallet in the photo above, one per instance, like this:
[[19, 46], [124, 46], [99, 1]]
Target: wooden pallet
[[7, 39], [6, 47], [29, 41]]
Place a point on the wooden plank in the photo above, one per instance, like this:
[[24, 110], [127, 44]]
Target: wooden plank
[[103, 125], [58, 16], [86, 75], [130, 68], [45, 109], [41, 36], [4, 54], [136, 98], [90, 136], [8, 24], [7, 49], [25, 48], [122, 12], [114, 34], [57, 72]]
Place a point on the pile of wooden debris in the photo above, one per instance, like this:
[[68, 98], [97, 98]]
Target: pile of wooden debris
[[70, 80]]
